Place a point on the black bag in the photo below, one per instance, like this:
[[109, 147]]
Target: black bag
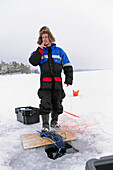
[[53, 152], [58, 148]]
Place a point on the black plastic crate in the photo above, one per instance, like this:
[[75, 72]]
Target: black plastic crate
[[27, 115], [104, 163]]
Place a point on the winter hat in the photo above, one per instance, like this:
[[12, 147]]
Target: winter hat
[[45, 30]]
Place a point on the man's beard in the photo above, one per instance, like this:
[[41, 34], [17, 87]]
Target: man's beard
[[45, 45], [49, 44]]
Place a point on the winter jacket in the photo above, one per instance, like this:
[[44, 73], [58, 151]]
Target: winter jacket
[[51, 61]]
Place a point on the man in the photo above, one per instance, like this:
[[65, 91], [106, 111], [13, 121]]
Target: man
[[51, 60]]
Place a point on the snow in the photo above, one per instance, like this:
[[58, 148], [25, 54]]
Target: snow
[[93, 128]]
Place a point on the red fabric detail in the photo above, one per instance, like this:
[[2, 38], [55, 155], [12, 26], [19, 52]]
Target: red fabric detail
[[47, 79], [57, 79], [41, 51]]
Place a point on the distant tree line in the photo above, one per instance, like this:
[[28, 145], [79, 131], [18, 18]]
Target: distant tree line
[[14, 67]]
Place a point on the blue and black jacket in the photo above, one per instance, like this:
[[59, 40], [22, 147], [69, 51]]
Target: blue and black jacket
[[51, 61]]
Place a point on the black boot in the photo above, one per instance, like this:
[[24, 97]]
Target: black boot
[[45, 122], [54, 120]]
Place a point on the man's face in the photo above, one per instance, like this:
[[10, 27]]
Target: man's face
[[45, 40]]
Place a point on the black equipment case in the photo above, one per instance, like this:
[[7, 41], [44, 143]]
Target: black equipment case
[[104, 163], [27, 115]]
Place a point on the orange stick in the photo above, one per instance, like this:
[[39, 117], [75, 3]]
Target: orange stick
[[71, 114]]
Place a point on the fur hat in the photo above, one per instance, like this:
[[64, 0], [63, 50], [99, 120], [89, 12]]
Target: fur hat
[[45, 30]]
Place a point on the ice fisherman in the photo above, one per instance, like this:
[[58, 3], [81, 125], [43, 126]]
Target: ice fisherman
[[52, 60]]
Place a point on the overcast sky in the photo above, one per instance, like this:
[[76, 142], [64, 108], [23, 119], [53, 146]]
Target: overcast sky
[[83, 28]]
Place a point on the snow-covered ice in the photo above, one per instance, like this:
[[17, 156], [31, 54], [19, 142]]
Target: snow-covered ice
[[94, 127]]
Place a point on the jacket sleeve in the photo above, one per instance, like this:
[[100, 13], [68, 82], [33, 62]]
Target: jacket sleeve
[[35, 57], [67, 67], [68, 71]]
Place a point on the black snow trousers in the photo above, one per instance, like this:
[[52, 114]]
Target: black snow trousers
[[51, 102]]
